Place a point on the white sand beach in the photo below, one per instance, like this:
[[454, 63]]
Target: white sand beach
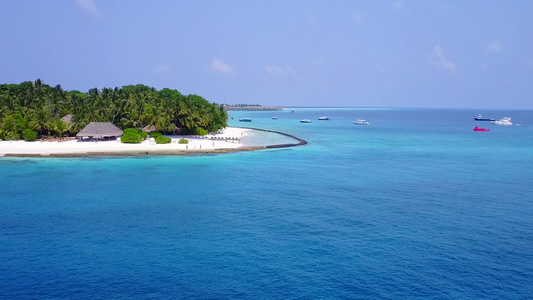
[[227, 139]]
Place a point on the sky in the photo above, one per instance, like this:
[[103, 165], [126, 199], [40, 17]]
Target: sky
[[327, 53]]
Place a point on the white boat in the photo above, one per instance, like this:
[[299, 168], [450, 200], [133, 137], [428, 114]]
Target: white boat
[[245, 119], [274, 118], [505, 121], [324, 118], [305, 121], [481, 118], [361, 122]]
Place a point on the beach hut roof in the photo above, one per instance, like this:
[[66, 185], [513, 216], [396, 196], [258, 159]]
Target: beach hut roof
[[67, 119], [148, 128], [100, 130]]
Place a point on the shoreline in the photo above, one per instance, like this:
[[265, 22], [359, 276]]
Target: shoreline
[[226, 142]]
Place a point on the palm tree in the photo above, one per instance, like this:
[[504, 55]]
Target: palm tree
[[38, 119], [162, 120], [60, 102], [60, 127], [130, 106], [77, 124], [117, 105]]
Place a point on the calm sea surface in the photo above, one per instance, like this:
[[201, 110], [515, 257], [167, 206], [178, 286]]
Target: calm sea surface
[[415, 205]]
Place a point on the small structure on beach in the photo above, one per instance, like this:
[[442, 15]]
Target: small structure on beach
[[148, 128], [68, 120], [100, 131]]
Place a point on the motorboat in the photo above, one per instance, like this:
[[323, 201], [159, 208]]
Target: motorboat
[[505, 121], [245, 119], [361, 122], [481, 129], [481, 118], [305, 121], [324, 118], [274, 118]]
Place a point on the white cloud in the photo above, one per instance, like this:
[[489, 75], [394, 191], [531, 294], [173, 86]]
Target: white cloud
[[221, 67], [162, 69], [494, 46], [439, 61], [89, 7], [280, 71]]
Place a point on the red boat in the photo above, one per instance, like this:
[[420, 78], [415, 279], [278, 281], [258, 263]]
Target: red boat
[[481, 129]]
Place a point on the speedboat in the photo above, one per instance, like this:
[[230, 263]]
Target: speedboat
[[480, 118], [505, 121], [324, 118], [361, 122], [481, 129], [274, 118], [305, 121], [245, 119]]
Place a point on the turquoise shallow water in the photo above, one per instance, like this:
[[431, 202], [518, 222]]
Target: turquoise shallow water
[[415, 205]]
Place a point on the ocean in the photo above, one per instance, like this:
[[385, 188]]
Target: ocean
[[415, 205]]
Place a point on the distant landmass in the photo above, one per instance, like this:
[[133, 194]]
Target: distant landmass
[[254, 107]]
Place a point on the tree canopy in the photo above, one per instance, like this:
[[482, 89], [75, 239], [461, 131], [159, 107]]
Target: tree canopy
[[40, 107]]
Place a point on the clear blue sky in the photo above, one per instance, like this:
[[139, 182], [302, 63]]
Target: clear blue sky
[[390, 53]]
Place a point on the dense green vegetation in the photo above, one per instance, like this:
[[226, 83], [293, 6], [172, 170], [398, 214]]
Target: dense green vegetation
[[40, 107], [133, 135], [29, 135], [155, 134], [162, 140], [200, 131], [159, 138]]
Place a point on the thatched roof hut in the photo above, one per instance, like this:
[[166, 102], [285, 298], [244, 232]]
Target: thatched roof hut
[[67, 119], [99, 130], [148, 128]]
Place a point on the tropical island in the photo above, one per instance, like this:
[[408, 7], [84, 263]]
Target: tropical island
[[52, 111], [251, 107], [126, 121]]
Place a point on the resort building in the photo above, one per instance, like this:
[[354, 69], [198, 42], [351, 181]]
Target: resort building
[[99, 131]]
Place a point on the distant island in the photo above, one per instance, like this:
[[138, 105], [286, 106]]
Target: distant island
[[35, 110], [251, 107]]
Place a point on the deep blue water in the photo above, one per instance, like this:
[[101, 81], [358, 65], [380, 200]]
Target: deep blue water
[[415, 205]]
